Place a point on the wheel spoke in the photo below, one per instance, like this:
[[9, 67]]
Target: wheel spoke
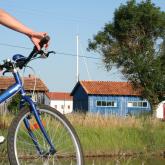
[[68, 151]]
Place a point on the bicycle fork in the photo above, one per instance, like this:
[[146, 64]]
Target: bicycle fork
[[36, 114]]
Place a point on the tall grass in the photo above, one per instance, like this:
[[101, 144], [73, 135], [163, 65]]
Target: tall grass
[[105, 135], [108, 135], [5, 121]]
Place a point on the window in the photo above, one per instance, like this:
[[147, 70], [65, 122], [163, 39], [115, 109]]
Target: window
[[145, 104], [98, 103], [106, 103], [110, 103], [134, 104], [142, 104], [62, 106], [55, 106], [68, 106]]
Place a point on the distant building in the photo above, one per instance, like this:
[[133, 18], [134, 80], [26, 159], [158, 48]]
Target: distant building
[[61, 101], [30, 83], [160, 110], [106, 97]]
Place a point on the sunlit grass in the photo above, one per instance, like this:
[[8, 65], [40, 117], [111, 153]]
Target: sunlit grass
[[105, 135], [5, 121]]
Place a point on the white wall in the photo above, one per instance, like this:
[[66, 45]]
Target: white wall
[[63, 106], [159, 110]]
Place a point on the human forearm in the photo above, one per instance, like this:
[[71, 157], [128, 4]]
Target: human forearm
[[10, 22]]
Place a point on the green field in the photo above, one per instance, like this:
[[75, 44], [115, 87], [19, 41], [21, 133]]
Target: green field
[[112, 136]]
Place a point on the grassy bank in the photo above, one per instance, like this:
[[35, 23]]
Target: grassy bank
[[112, 135]]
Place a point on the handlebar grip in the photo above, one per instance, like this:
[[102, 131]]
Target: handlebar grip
[[1, 67], [44, 41], [34, 52]]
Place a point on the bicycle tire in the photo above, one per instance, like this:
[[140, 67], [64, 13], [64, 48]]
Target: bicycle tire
[[19, 150]]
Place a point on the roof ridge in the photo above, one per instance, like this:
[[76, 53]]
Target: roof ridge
[[104, 81]]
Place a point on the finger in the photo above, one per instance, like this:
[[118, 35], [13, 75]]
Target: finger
[[45, 34], [37, 46], [47, 45], [42, 34]]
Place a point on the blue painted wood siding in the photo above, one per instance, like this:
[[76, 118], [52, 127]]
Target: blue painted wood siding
[[121, 108], [88, 103], [80, 100]]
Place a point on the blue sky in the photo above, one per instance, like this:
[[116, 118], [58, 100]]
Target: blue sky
[[63, 20]]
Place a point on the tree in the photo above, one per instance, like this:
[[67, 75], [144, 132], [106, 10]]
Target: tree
[[134, 42], [13, 106]]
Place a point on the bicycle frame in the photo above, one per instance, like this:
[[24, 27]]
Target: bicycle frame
[[17, 87]]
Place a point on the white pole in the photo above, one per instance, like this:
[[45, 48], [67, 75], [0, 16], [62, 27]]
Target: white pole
[[77, 74]]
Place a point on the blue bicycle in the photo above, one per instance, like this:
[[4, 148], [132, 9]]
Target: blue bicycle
[[39, 134]]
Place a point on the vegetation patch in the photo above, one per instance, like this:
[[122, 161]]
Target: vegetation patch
[[102, 135], [111, 136]]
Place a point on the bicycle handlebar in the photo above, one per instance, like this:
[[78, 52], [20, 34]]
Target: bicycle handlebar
[[43, 42], [8, 64]]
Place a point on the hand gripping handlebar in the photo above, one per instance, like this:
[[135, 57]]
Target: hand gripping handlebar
[[35, 51], [9, 65]]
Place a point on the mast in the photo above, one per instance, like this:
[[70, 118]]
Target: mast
[[77, 73]]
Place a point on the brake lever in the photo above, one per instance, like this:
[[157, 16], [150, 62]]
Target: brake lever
[[45, 55], [50, 52], [6, 71]]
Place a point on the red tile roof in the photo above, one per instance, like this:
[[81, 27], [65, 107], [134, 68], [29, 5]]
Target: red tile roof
[[108, 88], [59, 96], [29, 83]]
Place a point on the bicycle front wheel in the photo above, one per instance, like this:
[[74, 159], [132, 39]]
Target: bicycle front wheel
[[22, 149]]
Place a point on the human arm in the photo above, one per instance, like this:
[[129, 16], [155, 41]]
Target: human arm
[[12, 23]]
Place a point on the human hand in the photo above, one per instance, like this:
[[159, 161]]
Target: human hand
[[36, 38]]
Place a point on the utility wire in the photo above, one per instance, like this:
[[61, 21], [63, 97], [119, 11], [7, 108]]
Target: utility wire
[[62, 53], [14, 46]]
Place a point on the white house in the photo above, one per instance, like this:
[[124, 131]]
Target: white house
[[61, 101]]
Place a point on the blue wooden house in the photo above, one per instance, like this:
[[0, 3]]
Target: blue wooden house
[[106, 97]]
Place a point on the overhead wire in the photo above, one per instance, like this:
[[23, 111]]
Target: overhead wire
[[57, 52], [39, 12], [35, 11]]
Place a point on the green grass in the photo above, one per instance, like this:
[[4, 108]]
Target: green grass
[[5, 121], [101, 135], [118, 136]]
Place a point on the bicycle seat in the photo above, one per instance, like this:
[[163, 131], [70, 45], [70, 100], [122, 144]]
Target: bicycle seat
[[18, 57], [20, 60]]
